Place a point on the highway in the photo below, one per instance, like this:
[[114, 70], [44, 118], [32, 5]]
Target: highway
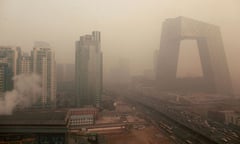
[[178, 134], [192, 128]]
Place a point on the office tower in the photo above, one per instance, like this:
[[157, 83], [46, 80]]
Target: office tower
[[216, 76], [88, 70], [43, 63]]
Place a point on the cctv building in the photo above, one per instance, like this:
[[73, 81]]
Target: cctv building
[[216, 76]]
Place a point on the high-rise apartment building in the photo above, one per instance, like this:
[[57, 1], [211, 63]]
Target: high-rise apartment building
[[25, 64], [8, 67], [88, 70], [5, 79], [43, 64], [10, 55]]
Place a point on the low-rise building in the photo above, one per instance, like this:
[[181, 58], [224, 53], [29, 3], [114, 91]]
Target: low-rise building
[[79, 117], [80, 120]]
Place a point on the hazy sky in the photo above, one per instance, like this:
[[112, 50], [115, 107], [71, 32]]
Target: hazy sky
[[130, 28]]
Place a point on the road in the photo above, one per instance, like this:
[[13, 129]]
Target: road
[[187, 127]]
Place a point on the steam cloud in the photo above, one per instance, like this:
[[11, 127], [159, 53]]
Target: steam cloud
[[26, 92]]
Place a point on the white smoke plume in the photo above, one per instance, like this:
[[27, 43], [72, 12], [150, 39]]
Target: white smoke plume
[[26, 91]]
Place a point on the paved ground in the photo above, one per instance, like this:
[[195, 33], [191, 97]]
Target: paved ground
[[148, 135]]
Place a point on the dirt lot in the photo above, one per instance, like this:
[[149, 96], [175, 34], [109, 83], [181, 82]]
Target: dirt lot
[[148, 135]]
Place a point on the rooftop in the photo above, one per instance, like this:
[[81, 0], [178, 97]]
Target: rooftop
[[36, 117]]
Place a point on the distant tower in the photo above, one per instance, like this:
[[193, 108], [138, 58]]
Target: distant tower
[[88, 70], [65, 76], [216, 77], [119, 74], [155, 61], [43, 63]]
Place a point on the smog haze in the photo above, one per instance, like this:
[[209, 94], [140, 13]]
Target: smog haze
[[130, 29]]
